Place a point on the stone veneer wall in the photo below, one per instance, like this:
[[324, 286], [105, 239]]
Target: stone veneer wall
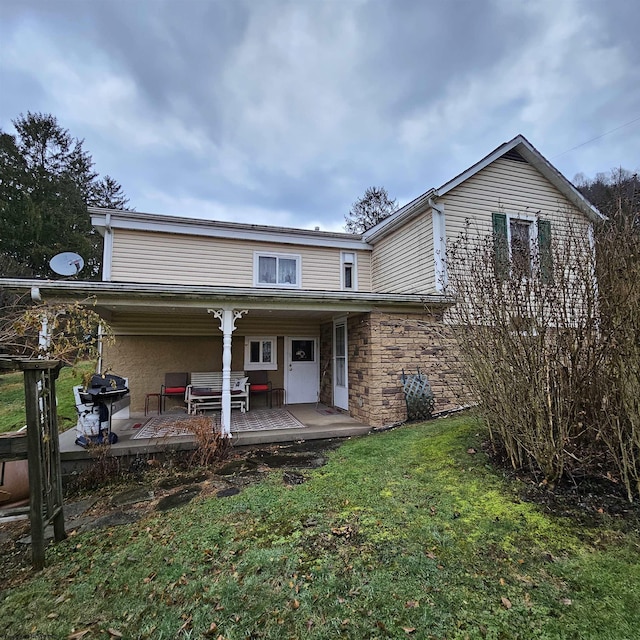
[[381, 345]]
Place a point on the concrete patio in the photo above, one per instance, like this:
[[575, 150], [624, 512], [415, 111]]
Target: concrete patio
[[319, 422]]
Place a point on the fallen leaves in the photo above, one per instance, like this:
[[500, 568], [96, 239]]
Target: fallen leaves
[[506, 603]]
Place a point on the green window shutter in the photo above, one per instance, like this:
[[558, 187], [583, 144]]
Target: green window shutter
[[500, 246], [544, 249]]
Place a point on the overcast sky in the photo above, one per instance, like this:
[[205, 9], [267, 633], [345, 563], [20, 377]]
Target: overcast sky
[[284, 111]]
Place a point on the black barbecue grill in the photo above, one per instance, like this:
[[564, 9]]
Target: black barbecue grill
[[105, 395]]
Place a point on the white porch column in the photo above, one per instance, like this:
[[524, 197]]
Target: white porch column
[[227, 317]]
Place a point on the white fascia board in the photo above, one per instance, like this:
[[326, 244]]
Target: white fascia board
[[399, 218], [536, 159], [539, 162], [229, 230]]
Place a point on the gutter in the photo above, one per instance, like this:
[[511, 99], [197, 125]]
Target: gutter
[[408, 212], [118, 290]]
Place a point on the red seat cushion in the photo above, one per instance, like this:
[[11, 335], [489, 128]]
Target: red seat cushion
[[175, 389], [259, 387]]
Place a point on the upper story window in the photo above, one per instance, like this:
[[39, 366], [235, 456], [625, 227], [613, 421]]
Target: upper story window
[[522, 246], [348, 266], [277, 270]]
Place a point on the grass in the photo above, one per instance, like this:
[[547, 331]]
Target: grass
[[401, 535], [12, 416]]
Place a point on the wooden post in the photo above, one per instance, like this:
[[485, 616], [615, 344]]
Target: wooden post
[[34, 437], [42, 450]]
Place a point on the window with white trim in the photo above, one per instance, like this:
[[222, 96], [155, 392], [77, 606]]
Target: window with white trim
[[277, 270], [522, 247], [348, 270], [260, 353]]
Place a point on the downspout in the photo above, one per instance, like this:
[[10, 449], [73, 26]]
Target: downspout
[[439, 244], [107, 249]]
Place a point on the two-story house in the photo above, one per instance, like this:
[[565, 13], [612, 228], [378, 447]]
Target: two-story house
[[332, 317]]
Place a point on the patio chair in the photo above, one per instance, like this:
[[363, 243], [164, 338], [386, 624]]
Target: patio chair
[[259, 383], [175, 385]]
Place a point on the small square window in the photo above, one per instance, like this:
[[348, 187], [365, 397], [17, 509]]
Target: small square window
[[260, 353]]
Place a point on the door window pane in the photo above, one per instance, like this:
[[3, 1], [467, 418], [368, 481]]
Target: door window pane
[[303, 351], [340, 347]]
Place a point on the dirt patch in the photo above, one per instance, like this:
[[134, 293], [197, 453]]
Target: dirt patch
[[590, 502], [178, 498]]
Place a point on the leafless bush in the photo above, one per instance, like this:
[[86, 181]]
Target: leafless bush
[[618, 250], [103, 470], [531, 344], [211, 444]]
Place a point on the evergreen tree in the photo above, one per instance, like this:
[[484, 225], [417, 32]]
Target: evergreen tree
[[46, 183]]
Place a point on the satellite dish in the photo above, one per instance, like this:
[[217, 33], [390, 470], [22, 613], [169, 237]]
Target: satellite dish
[[67, 263]]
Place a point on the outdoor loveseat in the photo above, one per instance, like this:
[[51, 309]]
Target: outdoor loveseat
[[205, 391]]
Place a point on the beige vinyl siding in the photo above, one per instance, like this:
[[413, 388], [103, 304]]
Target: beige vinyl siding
[[205, 324], [363, 259], [152, 257], [511, 187], [403, 262]]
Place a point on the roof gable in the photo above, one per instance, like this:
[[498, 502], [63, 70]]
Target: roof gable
[[519, 149]]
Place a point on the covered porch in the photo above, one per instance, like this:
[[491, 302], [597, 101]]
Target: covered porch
[[346, 350], [353, 362]]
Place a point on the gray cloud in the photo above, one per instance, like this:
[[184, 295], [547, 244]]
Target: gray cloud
[[286, 111]]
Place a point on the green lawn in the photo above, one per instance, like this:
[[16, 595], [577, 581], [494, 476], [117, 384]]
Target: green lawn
[[401, 535], [12, 415]]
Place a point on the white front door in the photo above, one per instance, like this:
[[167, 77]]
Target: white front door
[[340, 365], [302, 370]]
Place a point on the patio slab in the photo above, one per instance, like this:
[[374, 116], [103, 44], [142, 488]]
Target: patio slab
[[320, 422]]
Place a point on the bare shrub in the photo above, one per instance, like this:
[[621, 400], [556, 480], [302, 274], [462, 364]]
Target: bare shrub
[[618, 250], [103, 470], [529, 337], [211, 444]]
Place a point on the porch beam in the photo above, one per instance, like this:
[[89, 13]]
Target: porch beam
[[227, 317]]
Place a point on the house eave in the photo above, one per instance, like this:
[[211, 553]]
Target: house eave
[[115, 294], [399, 218], [103, 219]]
